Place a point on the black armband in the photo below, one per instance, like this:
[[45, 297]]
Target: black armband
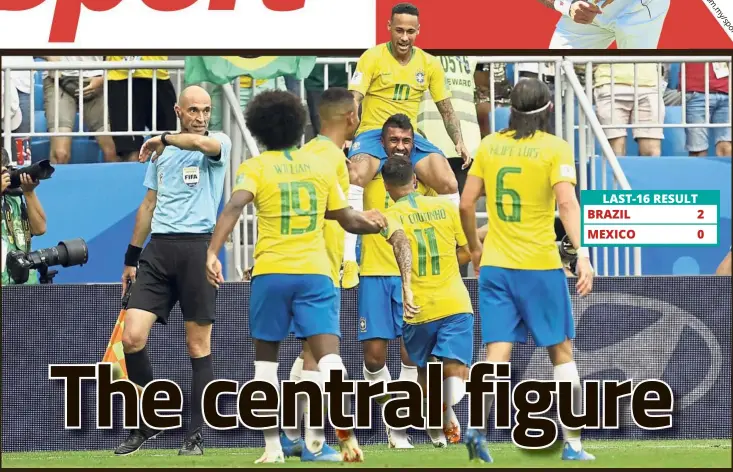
[[163, 138], [132, 255]]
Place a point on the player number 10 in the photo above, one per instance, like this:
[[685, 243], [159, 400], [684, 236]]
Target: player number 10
[[291, 206], [401, 92], [426, 243]]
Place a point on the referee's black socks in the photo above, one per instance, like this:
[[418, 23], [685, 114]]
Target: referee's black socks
[[203, 373], [139, 370]]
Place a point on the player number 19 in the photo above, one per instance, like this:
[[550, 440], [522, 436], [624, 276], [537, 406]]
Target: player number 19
[[502, 191], [426, 243], [291, 206]]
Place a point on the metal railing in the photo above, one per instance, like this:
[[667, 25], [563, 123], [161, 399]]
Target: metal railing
[[568, 91]]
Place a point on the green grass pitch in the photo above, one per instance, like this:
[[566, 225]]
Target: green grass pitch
[[616, 454]]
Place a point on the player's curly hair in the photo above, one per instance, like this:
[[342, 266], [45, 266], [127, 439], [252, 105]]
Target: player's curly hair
[[276, 119], [531, 107]]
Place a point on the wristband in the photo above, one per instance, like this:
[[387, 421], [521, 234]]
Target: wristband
[[563, 6], [584, 252], [132, 255], [162, 138]]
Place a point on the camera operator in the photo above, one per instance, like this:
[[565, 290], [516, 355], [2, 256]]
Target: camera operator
[[22, 218]]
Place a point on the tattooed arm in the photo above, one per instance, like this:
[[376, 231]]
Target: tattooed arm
[[403, 255], [452, 124], [453, 127]]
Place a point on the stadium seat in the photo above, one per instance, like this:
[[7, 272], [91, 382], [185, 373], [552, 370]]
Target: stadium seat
[[502, 117], [38, 97], [674, 75], [40, 122], [510, 73], [85, 151], [674, 138]]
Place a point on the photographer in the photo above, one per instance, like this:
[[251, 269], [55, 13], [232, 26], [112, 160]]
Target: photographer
[[22, 218]]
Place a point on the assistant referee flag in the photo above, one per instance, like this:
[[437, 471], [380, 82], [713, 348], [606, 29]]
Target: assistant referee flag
[[222, 70]]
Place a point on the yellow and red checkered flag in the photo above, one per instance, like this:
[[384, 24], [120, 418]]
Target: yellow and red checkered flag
[[114, 353]]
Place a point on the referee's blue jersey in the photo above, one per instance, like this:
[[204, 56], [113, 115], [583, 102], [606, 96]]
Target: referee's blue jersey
[[190, 186]]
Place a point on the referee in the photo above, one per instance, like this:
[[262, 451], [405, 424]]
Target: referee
[[185, 181]]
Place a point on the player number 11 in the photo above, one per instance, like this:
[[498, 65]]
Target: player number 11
[[426, 243]]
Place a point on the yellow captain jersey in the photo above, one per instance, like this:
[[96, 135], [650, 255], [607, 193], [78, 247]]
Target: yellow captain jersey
[[121, 74], [389, 87], [433, 227], [332, 230], [377, 257], [292, 191], [519, 176]]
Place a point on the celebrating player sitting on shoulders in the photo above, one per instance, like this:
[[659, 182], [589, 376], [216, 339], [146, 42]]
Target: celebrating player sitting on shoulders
[[389, 79], [380, 297], [293, 192], [441, 322], [522, 287]]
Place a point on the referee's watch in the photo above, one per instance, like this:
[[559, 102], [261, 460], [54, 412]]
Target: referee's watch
[[162, 138]]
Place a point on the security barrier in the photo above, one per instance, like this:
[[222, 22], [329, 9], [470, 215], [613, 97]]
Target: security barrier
[[676, 329]]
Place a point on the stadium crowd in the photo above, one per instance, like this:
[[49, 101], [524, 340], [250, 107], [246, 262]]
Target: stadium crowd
[[476, 109]]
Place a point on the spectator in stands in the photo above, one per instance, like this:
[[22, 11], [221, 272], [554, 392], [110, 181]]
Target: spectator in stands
[[22, 218], [69, 95], [128, 147], [337, 77], [16, 114], [725, 266], [482, 95], [621, 110], [697, 138], [23, 81]]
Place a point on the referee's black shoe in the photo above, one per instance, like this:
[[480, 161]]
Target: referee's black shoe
[[135, 440], [193, 445]]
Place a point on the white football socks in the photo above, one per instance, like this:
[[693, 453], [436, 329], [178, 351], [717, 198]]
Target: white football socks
[[267, 371], [315, 438], [568, 372]]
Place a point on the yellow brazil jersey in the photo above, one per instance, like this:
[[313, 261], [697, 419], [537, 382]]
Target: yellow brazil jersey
[[333, 232], [433, 228], [519, 177], [292, 191], [377, 256], [390, 87], [121, 74]]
